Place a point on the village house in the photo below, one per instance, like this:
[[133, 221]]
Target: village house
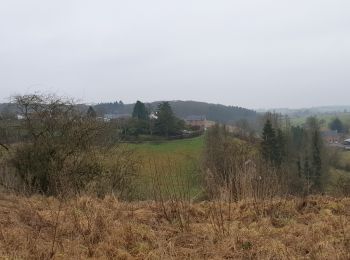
[[199, 121], [111, 117], [346, 144], [331, 136]]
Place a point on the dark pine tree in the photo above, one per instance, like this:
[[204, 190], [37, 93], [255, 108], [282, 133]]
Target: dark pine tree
[[279, 149], [316, 159], [307, 173], [337, 125], [268, 144], [91, 113], [166, 122], [140, 112]]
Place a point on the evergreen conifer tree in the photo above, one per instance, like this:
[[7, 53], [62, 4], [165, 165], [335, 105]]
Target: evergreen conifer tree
[[316, 159], [337, 125], [268, 144], [140, 111], [166, 122], [91, 113]]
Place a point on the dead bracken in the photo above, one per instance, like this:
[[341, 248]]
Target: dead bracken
[[316, 227]]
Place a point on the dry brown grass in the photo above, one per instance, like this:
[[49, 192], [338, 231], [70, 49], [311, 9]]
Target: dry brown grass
[[43, 228]]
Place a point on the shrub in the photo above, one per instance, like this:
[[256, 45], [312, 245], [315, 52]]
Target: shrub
[[63, 150]]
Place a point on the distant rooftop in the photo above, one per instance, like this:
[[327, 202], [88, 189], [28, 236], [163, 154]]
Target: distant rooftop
[[195, 118], [330, 133], [116, 116]]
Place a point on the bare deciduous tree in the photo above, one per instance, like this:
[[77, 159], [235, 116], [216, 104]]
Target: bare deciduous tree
[[62, 149]]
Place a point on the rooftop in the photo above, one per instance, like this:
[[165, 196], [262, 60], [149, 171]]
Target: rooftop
[[195, 118], [330, 133]]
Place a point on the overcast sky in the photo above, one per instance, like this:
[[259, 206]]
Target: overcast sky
[[251, 53]]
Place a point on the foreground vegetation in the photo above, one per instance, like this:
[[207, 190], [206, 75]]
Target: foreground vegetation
[[295, 228], [71, 187]]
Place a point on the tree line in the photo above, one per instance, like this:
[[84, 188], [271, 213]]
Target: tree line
[[161, 122], [59, 149], [182, 109], [281, 160]]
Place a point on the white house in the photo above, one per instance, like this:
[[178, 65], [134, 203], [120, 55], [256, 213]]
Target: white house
[[347, 144]]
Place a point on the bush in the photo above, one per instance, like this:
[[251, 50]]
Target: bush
[[64, 151]]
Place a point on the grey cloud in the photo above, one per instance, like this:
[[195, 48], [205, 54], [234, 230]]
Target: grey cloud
[[255, 53]]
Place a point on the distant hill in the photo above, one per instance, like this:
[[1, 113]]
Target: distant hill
[[182, 109], [8, 108], [312, 111]]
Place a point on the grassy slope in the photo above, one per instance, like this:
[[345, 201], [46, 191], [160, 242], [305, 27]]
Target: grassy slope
[[41, 228], [327, 118], [345, 157], [184, 146], [181, 156], [344, 162]]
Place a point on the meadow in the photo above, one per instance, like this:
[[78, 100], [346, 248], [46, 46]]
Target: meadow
[[325, 119], [190, 146], [173, 164], [176, 164]]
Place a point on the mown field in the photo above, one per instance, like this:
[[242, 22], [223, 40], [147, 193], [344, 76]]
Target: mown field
[[172, 164]]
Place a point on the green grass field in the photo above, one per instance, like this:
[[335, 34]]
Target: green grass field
[[345, 157], [176, 164], [171, 165], [325, 119], [191, 146]]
